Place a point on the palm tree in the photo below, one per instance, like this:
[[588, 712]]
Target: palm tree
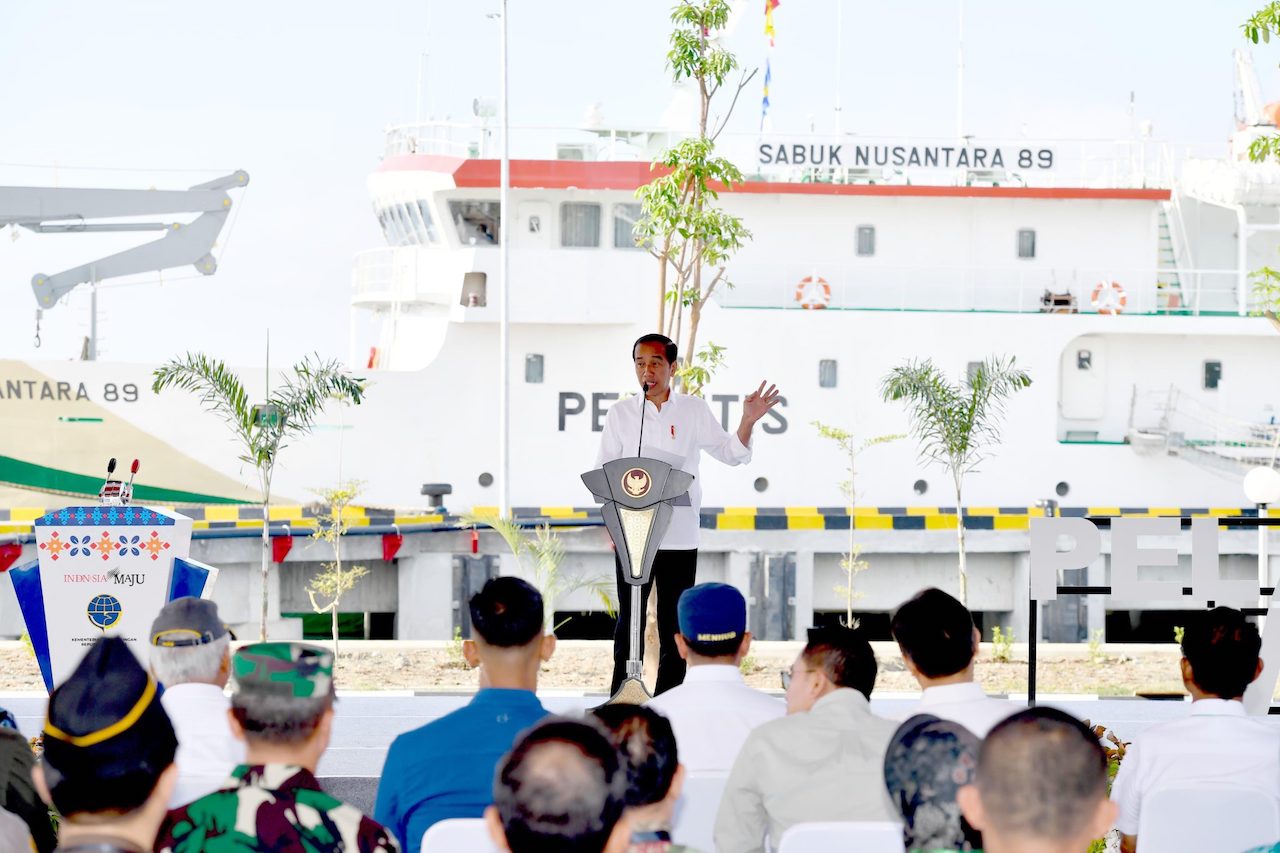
[[955, 423], [289, 412]]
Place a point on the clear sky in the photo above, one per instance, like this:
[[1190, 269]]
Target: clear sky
[[298, 94]]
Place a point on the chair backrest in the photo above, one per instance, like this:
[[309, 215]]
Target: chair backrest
[[455, 834], [1198, 819], [695, 817], [863, 836]]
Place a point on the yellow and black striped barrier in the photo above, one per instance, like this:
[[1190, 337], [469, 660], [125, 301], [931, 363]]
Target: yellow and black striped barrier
[[304, 518]]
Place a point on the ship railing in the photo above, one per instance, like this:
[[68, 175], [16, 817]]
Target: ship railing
[[1189, 425], [388, 275], [1064, 162], [1012, 289]]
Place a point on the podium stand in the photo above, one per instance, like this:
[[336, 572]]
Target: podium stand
[[637, 494], [103, 570]]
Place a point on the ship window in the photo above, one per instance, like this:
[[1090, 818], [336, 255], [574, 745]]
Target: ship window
[[920, 487], [533, 367], [866, 241], [625, 217], [580, 224], [403, 228], [428, 223], [827, 373], [478, 222], [1026, 243], [1212, 375], [1084, 359], [417, 229]]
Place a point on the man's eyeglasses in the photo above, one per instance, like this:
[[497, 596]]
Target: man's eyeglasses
[[786, 679]]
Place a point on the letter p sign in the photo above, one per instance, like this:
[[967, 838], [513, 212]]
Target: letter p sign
[[1047, 559]]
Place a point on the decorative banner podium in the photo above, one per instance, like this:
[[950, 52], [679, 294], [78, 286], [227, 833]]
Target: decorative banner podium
[[103, 570], [637, 494]]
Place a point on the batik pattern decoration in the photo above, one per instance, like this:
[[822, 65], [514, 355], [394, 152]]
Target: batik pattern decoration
[[103, 570]]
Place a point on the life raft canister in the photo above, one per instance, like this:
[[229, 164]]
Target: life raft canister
[[1108, 297], [813, 293]]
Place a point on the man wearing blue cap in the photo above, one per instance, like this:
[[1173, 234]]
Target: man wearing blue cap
[[713, 710]]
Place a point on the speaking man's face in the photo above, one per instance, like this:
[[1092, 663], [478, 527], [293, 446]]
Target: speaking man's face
[[652, 368]]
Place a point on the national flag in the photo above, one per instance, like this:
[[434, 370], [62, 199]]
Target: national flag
[[769, 6], [764, 104]]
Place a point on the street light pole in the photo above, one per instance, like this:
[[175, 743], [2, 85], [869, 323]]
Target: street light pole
[[504, 270]]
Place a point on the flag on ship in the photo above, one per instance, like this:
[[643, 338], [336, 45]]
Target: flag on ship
[[764, 104], [769, 6]]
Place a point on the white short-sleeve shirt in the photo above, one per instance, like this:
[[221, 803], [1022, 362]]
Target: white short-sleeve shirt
[[965, 704], [1216, 746], [677, 434], [712, 713], [207, 751]]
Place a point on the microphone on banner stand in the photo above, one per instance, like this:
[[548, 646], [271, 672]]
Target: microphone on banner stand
[[644, 396]]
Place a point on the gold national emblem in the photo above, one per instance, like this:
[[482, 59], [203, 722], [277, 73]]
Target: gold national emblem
[[636, 482]]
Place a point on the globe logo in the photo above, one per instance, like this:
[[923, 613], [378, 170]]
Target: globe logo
[[104, 611]]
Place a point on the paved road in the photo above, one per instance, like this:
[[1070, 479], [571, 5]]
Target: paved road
[[367, 723]]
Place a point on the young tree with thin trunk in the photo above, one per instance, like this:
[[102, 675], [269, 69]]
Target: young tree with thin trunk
[[955, 424], [680, 224], [333, 581], [261, 431]]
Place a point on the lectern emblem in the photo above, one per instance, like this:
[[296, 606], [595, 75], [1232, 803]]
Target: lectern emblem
[[104, 611], [636, 482]]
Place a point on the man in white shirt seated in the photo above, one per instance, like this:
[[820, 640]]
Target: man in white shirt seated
[[714, 710], [939, 645], [823, 761], [1217, 745], [191, 656]]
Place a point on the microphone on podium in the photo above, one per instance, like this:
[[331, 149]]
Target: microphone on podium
[[645, 387]]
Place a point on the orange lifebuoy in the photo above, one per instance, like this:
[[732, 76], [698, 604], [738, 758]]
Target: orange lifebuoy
[[1108, 297], [813, 293]]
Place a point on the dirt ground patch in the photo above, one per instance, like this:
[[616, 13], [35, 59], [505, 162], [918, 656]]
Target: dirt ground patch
[[1110, 670]]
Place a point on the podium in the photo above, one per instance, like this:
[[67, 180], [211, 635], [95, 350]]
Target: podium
[[103, 570], [637, 494]]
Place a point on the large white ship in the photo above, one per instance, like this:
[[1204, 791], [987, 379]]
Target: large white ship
[[1117, 272]]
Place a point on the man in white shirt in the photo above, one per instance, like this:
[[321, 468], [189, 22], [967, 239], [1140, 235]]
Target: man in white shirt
[[714, 710], [823, 761], [1217, 745], [191, 656], [939, 645], [676, 429]]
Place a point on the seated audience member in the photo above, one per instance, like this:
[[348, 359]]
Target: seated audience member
[[927, 762], [713, 710], [18, 795], [445, 768], [647, 745], [191, 656], [562, 788], [108, 753], [821, 762], [282, 707], [1040, 787], [1216, 745], [939, 645]]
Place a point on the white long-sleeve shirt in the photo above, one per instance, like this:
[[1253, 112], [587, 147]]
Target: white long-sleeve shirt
[[712, 713], [677, 434]]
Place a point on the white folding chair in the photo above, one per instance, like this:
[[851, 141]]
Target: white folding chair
[[458, 835], [863, 836], [1193, 820], [695, 818]]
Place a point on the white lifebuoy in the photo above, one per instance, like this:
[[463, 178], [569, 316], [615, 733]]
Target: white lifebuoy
[[1108, 297], [813, 293]]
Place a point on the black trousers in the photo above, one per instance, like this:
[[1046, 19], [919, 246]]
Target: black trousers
[[673, 572]]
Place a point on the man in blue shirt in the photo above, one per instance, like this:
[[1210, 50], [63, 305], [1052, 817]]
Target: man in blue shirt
[[445, 768]]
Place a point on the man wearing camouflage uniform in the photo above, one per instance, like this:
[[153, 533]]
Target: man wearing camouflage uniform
[[282, 707]]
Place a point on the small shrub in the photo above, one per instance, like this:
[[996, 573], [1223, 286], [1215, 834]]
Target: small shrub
[[1002, 644], [748, 665], [457, 660], [1095, 646], [1178, 631]]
